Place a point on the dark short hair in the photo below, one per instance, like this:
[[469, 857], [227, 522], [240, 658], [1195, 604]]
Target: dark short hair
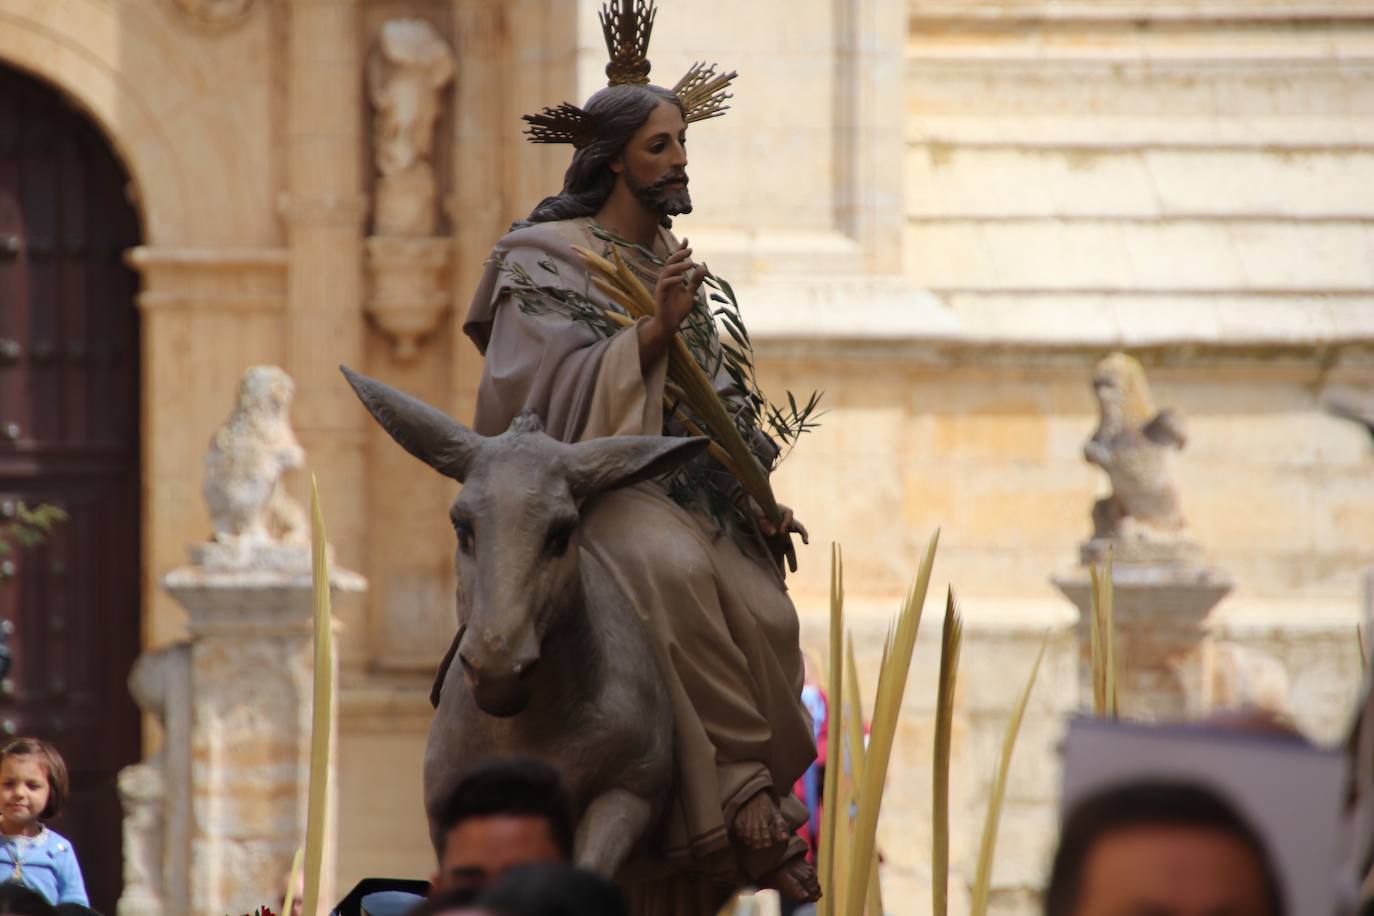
[[1148, 804], [548, 889], [59, 787], [511, 787]]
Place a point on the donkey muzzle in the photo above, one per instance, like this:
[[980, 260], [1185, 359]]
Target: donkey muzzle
[[501, 689]]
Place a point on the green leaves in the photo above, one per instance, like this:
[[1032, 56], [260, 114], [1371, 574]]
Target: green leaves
[[29, 527]]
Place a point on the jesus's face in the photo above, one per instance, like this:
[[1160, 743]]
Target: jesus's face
[[653, 164]]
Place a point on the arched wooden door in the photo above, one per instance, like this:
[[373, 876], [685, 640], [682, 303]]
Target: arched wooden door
[[69, 435]]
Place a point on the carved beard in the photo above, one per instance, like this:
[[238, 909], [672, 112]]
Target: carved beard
[[657, 198]]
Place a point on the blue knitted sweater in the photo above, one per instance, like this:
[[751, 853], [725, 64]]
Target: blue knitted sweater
[[46, 863]]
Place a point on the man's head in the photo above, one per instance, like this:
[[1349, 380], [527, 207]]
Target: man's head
[[1161, 849], [640, 137], [502, 813]]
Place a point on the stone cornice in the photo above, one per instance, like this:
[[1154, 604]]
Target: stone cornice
[[878, 319], [984, 11], [1308, 362], [215, 279]]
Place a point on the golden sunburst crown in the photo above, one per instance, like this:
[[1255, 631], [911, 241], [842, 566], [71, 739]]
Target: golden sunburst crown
[[627, 25], [702, 92], [564, 124]]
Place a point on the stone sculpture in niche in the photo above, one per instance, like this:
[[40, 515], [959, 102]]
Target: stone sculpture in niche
[[406, 75], [248, 456], [1141, 520]]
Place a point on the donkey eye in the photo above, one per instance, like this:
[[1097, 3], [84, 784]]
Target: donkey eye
[[465, 536], [557, 542]]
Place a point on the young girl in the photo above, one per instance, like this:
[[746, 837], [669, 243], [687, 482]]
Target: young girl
[[33, 788]]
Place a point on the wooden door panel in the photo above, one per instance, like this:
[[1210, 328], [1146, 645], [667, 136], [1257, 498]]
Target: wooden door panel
[[69, 435]]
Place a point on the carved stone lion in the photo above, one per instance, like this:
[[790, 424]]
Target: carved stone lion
[[1142, 520], [248, 456]]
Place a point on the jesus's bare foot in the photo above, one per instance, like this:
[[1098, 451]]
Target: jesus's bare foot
[[758, 822], [795, 879]]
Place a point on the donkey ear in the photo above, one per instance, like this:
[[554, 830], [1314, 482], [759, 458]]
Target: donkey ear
[[429, 434], [597, 465]]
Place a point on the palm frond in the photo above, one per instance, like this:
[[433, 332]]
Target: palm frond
[[891, 686], [982, 883], [951, 640]]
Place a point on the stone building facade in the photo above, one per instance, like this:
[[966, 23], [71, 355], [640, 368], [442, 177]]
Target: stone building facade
[[941, 213]]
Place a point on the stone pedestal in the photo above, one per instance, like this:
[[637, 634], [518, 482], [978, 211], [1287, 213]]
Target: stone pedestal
[[408, 291], [251, 682], [1162, 635]]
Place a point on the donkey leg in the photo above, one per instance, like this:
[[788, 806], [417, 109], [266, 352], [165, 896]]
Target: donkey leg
[[608, 830]]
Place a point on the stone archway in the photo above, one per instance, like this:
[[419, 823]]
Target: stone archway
[[141, 72]]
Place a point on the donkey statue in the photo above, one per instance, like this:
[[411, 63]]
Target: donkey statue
[[551, 660]]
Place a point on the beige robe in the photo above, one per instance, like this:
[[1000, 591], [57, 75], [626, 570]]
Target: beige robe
[[724, 629]]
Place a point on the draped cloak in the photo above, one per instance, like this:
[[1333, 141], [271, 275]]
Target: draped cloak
[[721, 623]]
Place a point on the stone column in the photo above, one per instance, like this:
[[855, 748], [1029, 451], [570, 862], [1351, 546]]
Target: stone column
[[1163, 590], [251, 678], [1163, 639], [212, 821], [324, 208], [870, 88], [478, 206]]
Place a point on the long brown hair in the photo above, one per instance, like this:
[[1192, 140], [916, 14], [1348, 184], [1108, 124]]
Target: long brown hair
[[618, 112]]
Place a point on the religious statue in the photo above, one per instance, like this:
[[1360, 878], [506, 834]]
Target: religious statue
[[1141, 521], [244, 466], [406, 74], [694, 555]]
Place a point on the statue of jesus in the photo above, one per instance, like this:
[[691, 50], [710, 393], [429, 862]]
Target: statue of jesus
[[715, 606]]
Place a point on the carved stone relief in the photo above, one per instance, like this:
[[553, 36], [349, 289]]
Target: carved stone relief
[[406, 74], [407, 71], [215, 12]]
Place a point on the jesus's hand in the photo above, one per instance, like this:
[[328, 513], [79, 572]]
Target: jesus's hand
[[779, 536], [677, 287], [674, 295]]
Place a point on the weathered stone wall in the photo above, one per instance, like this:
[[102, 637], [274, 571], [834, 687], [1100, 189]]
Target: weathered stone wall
[[1175, 179]]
